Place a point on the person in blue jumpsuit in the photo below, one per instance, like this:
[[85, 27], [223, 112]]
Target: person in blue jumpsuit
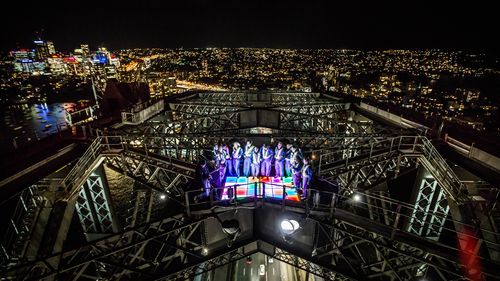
[[295, 152], [279, 160], [237, 154], [229, 161], [288, 160], [256, 159], [204, 175], [307, 175], [213, 159], [267, 158], [247, 162], [220, 161], [297, 172]]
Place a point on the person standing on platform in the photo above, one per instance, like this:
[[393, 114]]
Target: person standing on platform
[[297, 172], [279, 160], [247, 162], [221, 162], [205, 177], [267, 158], [229, 161], [295, 152], [256, 159], [288, 160], [214, 158], [237, 154], [307, 174]]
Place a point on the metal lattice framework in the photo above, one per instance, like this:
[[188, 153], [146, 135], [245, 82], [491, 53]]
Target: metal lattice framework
[[349, 247], [93, 206], [162, 174], [376, 238], [216, 113]]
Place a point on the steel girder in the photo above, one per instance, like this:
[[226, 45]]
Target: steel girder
[[325, 109], [16, 235], [391, 155], [197, 145], [390, 252], [208, 113], [184, 111], [146, 250], [94, 207], [224, 98], [366, 171], [163, 174], [430, 211], [348, 247], [321, 124], [224, 123], [240, 98]]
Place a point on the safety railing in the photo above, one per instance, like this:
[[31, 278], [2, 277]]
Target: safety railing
[[142, 112], [415, 146], [381, 209], [442, 172], [243, 193], [396, 214], [16, 234], [82, 168], [346, 156]]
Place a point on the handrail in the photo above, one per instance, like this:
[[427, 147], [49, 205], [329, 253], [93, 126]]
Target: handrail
[[415, 145], [102, 143], [16, 234], [395, 213]]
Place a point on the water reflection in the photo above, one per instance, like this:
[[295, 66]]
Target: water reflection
[[26, 123]]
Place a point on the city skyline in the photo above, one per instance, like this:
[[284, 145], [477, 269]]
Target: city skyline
[[277, 25]]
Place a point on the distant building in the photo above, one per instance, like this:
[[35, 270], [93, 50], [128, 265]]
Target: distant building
[[25, 61], [85, 50], [41, 50], [161, 84], [50, 48], [57, 65]]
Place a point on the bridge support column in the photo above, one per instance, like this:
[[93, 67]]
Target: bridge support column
[[94, 207]]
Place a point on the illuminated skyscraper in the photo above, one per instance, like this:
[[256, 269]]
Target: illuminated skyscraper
[[50, 47], [41, 50], [85, 49]]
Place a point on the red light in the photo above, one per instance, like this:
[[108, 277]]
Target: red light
[[467, 244]]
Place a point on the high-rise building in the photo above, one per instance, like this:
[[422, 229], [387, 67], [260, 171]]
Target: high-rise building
[[85, 50], [24, 61], [50, 48], [41, 50], [57, 65]]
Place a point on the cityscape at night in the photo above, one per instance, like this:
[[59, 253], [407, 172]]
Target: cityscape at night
[[236, 141]]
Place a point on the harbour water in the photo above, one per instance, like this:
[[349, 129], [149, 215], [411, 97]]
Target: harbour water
[[25, 123]]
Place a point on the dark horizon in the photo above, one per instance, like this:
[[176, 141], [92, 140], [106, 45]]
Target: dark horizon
[[203, 24]]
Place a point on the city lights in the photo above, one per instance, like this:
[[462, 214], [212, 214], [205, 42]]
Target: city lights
[[273, 141]]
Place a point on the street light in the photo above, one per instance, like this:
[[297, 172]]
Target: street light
[[356, 197], [288, 228], [163, 196]]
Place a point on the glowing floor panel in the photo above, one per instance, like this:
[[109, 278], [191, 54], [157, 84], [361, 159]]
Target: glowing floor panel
[[269, 187]]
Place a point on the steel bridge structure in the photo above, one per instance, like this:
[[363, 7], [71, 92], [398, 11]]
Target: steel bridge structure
[[384, 204]]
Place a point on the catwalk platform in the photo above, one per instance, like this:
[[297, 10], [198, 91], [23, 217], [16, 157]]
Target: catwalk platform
[[269, 187]]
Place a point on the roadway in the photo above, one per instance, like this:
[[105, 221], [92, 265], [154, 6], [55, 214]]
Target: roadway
[[275, 271]]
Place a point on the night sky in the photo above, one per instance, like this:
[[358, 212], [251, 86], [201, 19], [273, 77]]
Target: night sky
[[282, 24]]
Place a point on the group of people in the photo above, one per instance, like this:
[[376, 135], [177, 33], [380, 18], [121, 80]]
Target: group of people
[[257, 161]]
